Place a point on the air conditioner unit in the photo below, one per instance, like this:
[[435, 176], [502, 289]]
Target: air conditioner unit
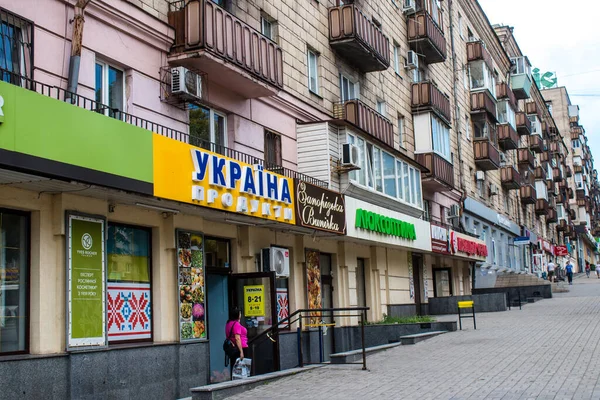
[[503, 158], [186, 84], [454, 211], [412, 60], [409, 7], [350, 155], [480, 175], [493, 190], [276, 259]]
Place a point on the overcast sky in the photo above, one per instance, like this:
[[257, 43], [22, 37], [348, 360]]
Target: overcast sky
[[564, 40]]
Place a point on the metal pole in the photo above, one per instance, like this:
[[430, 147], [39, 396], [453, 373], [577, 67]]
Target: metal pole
[[321, 343], [474, 324], [300, 355], [362, 337], [459, 319]]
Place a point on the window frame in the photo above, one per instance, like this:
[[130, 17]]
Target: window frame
[[278, 151], [351, 83], [106, 66], [25, 28], [265, 21], [443, 138], [401, 127], [397, 58], [313, 69], [214, 147], [508, 116], [381, 107], [488, 78]]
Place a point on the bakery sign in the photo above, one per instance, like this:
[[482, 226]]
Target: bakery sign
[[320, 208], [467, 246], [439, 239]]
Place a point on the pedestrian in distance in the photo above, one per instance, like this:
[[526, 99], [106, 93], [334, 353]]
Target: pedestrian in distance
[[551, 271], [569, 271], [587, 269], [597, 272]]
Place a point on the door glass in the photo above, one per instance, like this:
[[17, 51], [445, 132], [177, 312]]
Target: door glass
[[442, 283]]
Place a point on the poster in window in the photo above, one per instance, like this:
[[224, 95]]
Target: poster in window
[[313, 278], [190, 261], [283, 305], [86, 289]]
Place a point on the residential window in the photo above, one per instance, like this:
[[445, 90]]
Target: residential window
[[129, 304], [560, 211], [468, 127], [466, 77], [482, 129], [549, 106], [14, 281], [470, 35], [313, 71], [578, 181], [348, 89], [576, 143], [418, 74], [397, 58], [436, 12], [266, 27], [381, 107], [426, 213], [482, 77], [506, 114], [460, 27], [401, 132], [208, 129], [577, 160], [536, 125], [381, 172], [110, 89], [440, 137], [16, 47], [522, 66], [272, 148]]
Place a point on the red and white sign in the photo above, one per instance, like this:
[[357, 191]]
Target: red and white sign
[[439, 239], [561, 251], [467, 246], [545, 245]]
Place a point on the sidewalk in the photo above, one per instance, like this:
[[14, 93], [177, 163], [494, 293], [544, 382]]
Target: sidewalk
[[548, 350]]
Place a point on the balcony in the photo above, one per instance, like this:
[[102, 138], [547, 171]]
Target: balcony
[[508, 139], [365, 118], [568, 171], [556, 148], [536, 144], [481, 102], [580, 194], [557, 175], [425, 97], [425, 37], [476, 51], [531, 108], [521, 85], [541, 207], [511, 178], [570, 192], [526, 158], [504, 92], [486, 155], [551, 188], [232, 54], [551, 216], [539, 173], [574, 135], [578, 169], [528, 194], [562, 225], [356, 38], [440, 177], [523, 124], [545, 157]]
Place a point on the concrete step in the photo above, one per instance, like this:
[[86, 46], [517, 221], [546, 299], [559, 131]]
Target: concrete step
[[227, 389], [351, 356], [534, 299], [419, 337]]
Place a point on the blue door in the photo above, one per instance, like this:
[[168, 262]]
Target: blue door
[[218, 312]]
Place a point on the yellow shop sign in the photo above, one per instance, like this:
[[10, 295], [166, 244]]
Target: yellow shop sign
[[197, 176]]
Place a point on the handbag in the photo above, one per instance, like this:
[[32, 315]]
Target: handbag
[[229, 347]]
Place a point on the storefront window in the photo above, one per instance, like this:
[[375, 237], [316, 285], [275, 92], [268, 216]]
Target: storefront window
[[14, 271], [217, 253], [129, 283]]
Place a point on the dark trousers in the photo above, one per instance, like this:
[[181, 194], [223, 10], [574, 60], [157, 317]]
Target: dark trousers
[[570, 277]]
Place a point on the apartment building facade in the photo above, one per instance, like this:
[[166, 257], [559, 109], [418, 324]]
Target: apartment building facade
[[370, 154]]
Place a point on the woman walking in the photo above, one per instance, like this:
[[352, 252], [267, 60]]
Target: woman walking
[[238, 335]]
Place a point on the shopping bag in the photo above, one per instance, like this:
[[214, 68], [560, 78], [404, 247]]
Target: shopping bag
[[241, 368]]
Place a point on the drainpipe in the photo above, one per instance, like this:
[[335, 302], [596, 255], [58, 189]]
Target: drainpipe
[[76, 44]]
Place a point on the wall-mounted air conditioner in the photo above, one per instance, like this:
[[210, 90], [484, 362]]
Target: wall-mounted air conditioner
[[186, 84], [412, 60]]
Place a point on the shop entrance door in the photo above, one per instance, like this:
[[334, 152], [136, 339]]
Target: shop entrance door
[[254, 294], [218, 312], [327, 296]]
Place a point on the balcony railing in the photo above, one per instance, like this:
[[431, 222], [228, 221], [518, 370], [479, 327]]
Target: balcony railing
[[557, 175], [531, 108], [526, 158], [476, 51], [511, 178], [556, 148], [425, 96], [580, 194], [541, 207], [426, 38], [536, 143], [528, 194], [206, 35], [481, 102], [94, 106], [508, 139], [578, 169], [568, 171], [486, 155], [441, 172], [356, 38], [552, 215], [504, 92], [551, 187], [562, 225], [540, 173], [523, 124], [365, 118], [545, 157]]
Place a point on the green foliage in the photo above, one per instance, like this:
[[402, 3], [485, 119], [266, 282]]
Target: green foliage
[[415, 319]]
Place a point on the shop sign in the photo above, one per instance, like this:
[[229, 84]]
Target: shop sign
[[439, 239], [545, 245], [86, 289], [197, 176], [561, 251], [319, 208], [521, 241], [380, 223], [254, 301], [467, 246], [502, 220]]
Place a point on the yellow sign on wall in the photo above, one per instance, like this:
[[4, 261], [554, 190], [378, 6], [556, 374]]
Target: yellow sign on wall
[[254, 301], [194, 175]]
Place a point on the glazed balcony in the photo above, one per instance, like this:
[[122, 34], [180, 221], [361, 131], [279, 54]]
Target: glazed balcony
[[528, 194], [356, 38], [557, 175], [521, 85], [425, 97], [526, 158], [551, 216], [508, 139], [482, 103], [233, 54], [536, 144], [541, 207], [365, 118], [523, 124], [511, 178], [440, 177], [486, 155], [504, 92], [426, 38], [562, 225]]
